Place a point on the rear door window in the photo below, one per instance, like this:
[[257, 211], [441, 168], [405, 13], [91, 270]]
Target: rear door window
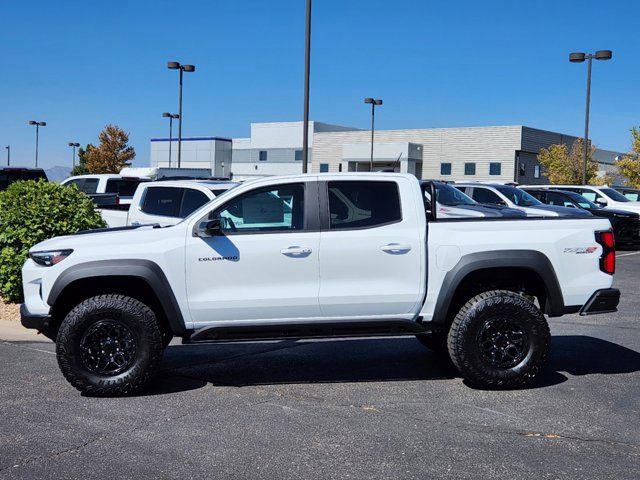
[[363, 204], [90, 185], [558, 199], [162, 201]]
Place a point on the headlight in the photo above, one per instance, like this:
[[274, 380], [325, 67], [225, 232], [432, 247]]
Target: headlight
[[49, 257]]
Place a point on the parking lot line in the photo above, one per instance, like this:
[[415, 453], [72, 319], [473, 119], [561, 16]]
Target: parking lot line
[[627, 254]]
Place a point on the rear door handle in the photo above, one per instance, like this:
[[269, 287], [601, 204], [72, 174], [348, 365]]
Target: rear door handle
[[296, 251], [395, 248]]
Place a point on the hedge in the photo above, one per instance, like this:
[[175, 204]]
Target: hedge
[[30, 212]]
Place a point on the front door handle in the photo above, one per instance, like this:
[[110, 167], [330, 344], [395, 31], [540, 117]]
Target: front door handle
[[395, 248], [296, 251]]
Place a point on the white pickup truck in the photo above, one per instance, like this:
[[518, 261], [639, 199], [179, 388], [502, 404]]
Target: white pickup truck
[[165, 202], [345, 254]]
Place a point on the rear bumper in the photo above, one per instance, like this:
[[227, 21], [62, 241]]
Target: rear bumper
[[29, 320], [602, 301]]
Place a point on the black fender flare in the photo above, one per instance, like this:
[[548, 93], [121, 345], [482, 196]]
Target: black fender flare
[[146, 270], [532, 260]]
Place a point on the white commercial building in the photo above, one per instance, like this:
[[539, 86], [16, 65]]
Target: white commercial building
[[494, 153], [197, 152]]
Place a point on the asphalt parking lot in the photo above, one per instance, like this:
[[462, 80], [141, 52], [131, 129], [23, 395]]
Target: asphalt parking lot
[[373, 408]]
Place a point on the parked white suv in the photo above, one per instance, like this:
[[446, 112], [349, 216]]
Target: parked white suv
[[604, 196], [512, 197], [165, 202]]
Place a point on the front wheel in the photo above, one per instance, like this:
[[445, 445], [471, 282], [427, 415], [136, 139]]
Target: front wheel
[[109, 345], [499, 339]]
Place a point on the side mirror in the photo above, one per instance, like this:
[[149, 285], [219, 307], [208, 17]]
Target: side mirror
[[601, 201], [209, 228]]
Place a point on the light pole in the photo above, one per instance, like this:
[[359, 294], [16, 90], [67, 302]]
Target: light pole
[[170, 116], [73, 156], [8, 147], [38, 125], [182, 68], [373, 102], [307, 60], [579, 57]]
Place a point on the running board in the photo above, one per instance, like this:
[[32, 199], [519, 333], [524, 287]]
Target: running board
[[362, 328]]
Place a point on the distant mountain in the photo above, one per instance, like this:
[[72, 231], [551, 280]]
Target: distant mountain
[[57, 173]]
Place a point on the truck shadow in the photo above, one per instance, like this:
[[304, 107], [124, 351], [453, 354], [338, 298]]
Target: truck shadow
[[188, 367]]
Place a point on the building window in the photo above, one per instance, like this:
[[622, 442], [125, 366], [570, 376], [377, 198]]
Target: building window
[[262, 155], [469, 168], [298, 155], [324, 167], [536, 171], [445, 169], [495, 168], [522, 170]]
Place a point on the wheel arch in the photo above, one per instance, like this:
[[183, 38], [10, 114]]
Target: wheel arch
[[140, 279], [529, 270]]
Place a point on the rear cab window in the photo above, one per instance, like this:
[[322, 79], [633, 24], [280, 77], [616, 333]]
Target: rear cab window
[[124, 187]]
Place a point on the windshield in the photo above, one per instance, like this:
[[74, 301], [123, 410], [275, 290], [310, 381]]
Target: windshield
[[583, 202], [518, 196], [614, 195], [447, 195]]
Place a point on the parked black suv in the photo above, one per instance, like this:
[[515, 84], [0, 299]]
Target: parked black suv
[[626, 225], [8, 175]]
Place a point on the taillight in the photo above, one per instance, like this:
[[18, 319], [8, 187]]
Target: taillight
[[608, 257]]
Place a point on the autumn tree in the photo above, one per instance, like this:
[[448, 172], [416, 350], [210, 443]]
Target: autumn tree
[[81, 166], [112, 154], [565, 166], [629, 164]]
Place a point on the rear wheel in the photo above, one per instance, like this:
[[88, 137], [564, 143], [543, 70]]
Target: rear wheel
[[109, 345], [499, 339]]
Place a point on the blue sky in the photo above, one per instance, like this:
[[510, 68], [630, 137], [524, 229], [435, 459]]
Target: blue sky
[[79, 65]]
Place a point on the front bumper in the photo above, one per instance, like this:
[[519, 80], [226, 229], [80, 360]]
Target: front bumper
[[35, 321], [602, 301]]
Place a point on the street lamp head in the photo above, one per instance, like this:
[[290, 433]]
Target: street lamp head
[[173, 65], [71, 144], [577, 57], [166, 115], [368, 100], [175, 115], [42, 124], [604, 55], [378, 101], [32, 122], [189, 68]]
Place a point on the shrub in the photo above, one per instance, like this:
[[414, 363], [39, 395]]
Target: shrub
[[31, 212]]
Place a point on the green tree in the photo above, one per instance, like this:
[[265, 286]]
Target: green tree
[[31, 212], [112, 154], [562, 165], [81, 166], [629, 165]]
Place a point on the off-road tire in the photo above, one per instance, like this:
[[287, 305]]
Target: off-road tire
[[138, 319], [436, 342], [472, 324]]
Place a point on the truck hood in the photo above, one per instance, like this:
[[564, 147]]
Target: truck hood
[[564, 211], [103, 236]]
